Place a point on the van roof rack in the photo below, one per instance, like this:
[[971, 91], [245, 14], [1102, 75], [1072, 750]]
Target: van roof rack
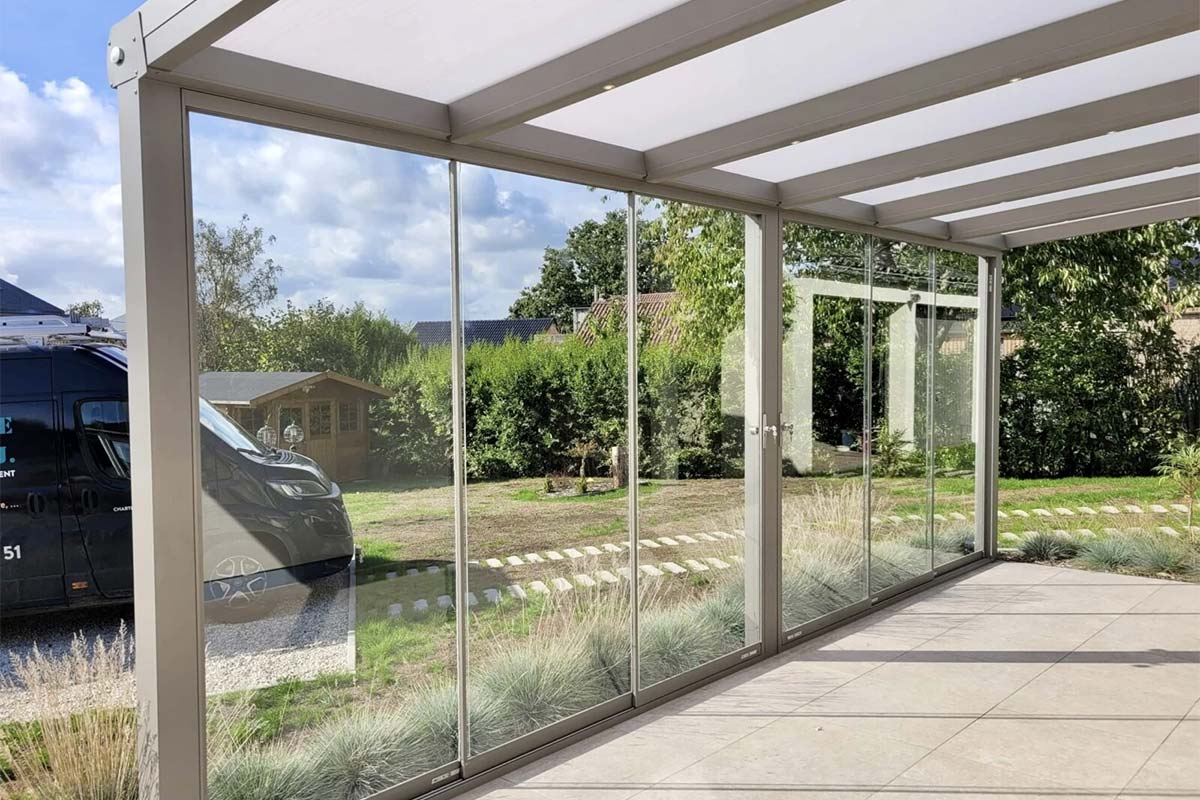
[[54, 329]]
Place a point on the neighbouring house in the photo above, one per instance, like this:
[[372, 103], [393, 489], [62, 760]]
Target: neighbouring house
[[16, 302], [331, 409], [490, 331], [655, 310]]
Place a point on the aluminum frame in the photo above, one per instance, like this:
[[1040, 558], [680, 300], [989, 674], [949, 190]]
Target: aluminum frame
[[170, 222]]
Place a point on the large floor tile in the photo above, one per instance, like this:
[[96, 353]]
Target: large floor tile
[[640, 751], [1098, 756], [1145, 637], [965, 598], [1013, 574], [1080, 598], [1175, 598], [997, 636], [796, 753], [895, 633], [1108, 690], [942, 776], [786, 686], [1071, 575], [501, 789], [1175, 766], [749, 791]]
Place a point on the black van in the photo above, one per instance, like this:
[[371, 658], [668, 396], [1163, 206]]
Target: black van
[[270, 517]]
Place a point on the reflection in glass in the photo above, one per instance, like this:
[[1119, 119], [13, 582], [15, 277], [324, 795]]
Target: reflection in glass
[[326, 675], [543, 286], [691, 442], [824, 396], [901, 296]]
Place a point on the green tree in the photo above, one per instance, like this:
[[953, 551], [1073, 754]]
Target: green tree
[[86, 308], [1180, 465], [590, 262], [233, 284]]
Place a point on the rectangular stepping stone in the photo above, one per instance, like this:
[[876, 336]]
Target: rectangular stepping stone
[[895, 519], [1008, 537], [391, 576], [432, 570], [1042, 512], [739, 559], [623, 572], [652, 570], [585, 580], [668, 541], [412, 571], [421, 606], [683, 537], [1091, 512], [516, 591], [609, 547], [716, 562], [1132, 509], [592, 550], [706, 537], [957, 516], [562, 584], [515, 561], [1112, 531], [554, 555], [1180, 507], [876, 521], [1064, 512], [1020, 513], [492, 596], [444, 601], [540, 587], [1169, 531], [494, 563], [1157, 509], [573, 553], [1084, 532], [722, 535], [395, 609], [696, 566], [648, 543], [606, 576], [1002, 514], [673, 568], [915, 518], [534, 558], [1110, 509], [940, 517], [472, 600]]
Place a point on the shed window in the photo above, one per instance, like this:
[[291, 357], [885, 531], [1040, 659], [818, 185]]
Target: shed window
[[320, 419], [348, 421]]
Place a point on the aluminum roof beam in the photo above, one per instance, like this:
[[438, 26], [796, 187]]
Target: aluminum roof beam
[[1141, 195], [1084, 37], [1142, 107], [1102, 224], [1139, 160], [676, 35]]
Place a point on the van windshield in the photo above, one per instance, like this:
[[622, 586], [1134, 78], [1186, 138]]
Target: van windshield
[[228, 431]]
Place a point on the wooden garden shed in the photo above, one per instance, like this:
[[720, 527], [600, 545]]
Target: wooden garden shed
[[331, 409]]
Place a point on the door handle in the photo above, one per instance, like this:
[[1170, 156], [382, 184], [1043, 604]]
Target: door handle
[[89, 499]]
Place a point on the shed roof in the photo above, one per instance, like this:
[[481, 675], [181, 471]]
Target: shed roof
[[252, 388], [988, 124], [491, 331], [655, 310], [15, 301]]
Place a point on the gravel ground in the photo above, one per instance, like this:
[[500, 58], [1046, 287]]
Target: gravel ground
[[308, 632]]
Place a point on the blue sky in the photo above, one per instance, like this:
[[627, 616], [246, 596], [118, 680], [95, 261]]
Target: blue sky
[[351, 223]]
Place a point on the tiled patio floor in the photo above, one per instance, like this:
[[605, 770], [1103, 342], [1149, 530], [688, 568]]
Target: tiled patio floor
[[1016, 682]]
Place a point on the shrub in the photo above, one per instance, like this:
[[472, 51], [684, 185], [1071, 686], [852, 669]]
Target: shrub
[[955, 458], [725, 607], [608, 652], [953, 540], [893, 562], [1044, 546], [536, 684], [270, 774], [1155, 555], [893, 456], [676, 639], [1110, 553], [815, 584]]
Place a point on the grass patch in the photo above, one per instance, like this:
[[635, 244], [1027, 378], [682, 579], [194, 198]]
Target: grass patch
[[538, 496]]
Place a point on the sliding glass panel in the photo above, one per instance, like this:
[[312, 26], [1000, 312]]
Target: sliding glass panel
[[956, 404], [691, 438], [325, 429], [824, 396], [543, 285], [901, 293]]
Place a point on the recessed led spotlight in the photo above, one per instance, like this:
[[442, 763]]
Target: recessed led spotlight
[[795, 141], [1013, 80], [1110, 133], [608, 87]]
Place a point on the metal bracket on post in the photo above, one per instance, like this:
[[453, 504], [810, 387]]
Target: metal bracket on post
[[126, 55]]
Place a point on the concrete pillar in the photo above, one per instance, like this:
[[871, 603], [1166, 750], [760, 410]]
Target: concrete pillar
[[902, 371], [798, 382]]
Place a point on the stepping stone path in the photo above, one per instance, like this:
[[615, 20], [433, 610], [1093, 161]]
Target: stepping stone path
[[534, 558], [592, 550], [540, 587], [1084, 532], [673, 568], [1168, 531], [606, 576], [573, 553], [686, 539], [585, 580], [649, 543], [494, 563], [395, 609], [1041, 512], [1157, 509], [472, 600], [957, 516], [554, 555], [517, 592], [492, 596], [421, 606], [1020, 513], [1091, 512], [1110, 509], [668, 541], [1064, 512], [718, 563], [651, 570], [609, 547], [1132, 509], [562, 584], [444, 601], [515, 561], [1180, 507], [695, 566]]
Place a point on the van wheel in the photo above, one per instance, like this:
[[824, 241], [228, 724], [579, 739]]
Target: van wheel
[[239, 587]]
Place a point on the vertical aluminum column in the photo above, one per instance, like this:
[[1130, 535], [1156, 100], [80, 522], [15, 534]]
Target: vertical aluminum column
[[631, 398], [987, 462], [764, 395], [458, 419], [164, 435]]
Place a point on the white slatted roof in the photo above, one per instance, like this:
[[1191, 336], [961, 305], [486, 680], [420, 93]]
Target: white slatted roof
[[982, 122]]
